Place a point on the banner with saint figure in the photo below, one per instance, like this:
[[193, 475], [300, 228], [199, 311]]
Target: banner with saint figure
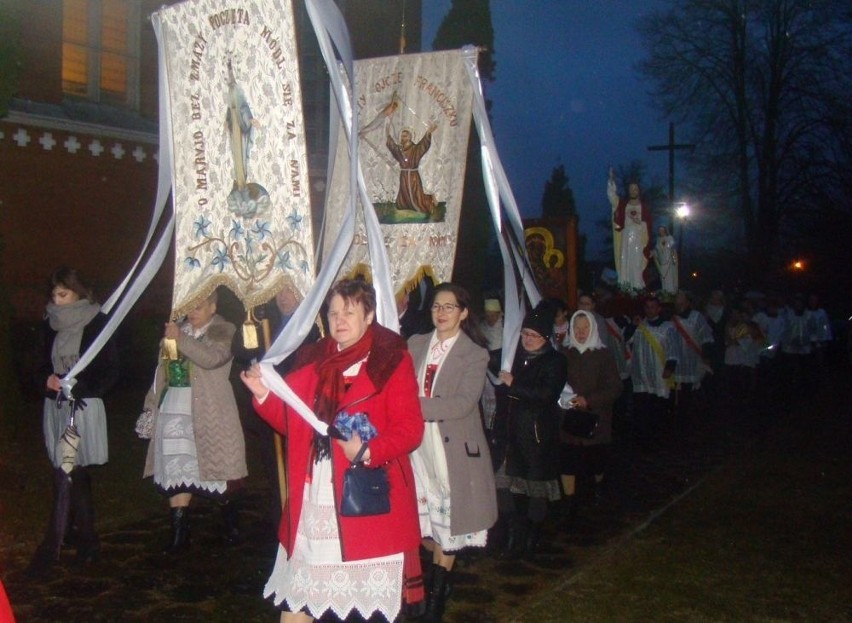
[[414, 115], [240, 179]]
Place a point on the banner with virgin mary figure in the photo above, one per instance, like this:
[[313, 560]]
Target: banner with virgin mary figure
[[414, 115], [240, 178]]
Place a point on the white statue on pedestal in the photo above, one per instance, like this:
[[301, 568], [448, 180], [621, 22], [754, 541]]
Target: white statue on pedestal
[[631, 238]]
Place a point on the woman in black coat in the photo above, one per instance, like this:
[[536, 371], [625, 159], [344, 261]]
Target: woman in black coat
[[531, 470], [73, 320]]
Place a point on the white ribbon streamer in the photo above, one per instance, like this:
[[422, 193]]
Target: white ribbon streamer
[[330, 28], [497, 188], [157, 257]]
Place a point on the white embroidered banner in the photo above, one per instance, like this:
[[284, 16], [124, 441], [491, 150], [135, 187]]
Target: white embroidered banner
[[240, 186], [414, 116]]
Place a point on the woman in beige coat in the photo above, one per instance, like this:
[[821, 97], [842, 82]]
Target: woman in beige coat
[[450, 364], [197, 444]]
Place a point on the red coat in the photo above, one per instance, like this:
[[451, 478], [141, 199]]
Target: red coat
[[385, 389]]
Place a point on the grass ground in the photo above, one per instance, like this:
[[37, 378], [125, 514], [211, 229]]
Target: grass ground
[[766, 538]]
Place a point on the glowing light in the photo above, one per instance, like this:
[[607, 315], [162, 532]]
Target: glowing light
[[682, 211], [798, 265], [695, 275]]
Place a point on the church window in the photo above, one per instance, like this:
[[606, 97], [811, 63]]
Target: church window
[[100, 50]]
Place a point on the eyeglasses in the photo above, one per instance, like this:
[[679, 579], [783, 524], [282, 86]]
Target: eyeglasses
[[447, 308], [531, 335]]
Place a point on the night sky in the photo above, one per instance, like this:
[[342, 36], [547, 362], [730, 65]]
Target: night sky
[[566, 92]]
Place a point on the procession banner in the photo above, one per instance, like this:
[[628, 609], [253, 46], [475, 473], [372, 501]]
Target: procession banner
[[240, 176], [414, 115]]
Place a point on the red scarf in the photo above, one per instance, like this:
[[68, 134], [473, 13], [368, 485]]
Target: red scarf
[[331, 384]]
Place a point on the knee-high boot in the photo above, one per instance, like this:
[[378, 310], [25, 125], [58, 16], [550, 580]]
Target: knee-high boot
[[47, 553], [83, 509], [436, 599], [179, 540]]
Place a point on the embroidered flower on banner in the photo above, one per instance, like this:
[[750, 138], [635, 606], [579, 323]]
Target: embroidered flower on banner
[[237, 230], [253, 252], [200, 226], [295, 220], [220, 258], [261, 229]]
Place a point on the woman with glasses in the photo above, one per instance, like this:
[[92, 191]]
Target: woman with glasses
[[528, 479], [450, 363]]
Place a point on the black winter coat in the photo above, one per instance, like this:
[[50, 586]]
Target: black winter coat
[[532, 452], [98, 377]]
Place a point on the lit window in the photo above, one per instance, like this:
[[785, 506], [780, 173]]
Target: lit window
[[100, 50]]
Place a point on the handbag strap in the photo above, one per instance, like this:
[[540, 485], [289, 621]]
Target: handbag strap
[[360, 454]]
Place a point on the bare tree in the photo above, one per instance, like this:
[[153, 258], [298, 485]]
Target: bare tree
[[761, 86], [558, 198]]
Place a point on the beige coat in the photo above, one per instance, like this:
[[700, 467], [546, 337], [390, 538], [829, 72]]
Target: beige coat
[[454, 405], [219, 441]]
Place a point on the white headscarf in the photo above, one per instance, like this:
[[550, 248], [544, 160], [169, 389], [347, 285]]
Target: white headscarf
[[594, 340]]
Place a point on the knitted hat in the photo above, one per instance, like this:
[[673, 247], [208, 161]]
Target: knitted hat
[[540, 320], [492, 305]]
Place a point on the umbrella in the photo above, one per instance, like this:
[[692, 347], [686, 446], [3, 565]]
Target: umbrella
[[66, 453], [66, 447]]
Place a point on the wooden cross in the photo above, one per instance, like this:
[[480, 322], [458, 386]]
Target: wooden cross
[[671, 147]]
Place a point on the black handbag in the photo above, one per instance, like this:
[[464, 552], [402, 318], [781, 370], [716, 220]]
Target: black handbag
[[580, 423], [365, 491]]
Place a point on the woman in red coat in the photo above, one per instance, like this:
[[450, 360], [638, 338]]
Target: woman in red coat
[[330, 565]]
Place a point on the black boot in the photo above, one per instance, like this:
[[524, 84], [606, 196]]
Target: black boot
[[517, 537], [179, 540], [232, 522], [498, 534], [83, 509], [47, 553], [436, 599], [532, 540]]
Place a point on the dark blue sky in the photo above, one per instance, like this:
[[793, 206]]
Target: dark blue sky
[[566, 92]]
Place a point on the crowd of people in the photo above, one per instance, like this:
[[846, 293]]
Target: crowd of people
[[474, 455]]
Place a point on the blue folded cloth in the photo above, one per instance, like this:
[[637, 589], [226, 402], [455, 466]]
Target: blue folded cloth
[[359, 423]]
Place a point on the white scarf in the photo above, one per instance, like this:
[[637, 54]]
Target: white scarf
[[593, 342], [493, 334], [68, 321]]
